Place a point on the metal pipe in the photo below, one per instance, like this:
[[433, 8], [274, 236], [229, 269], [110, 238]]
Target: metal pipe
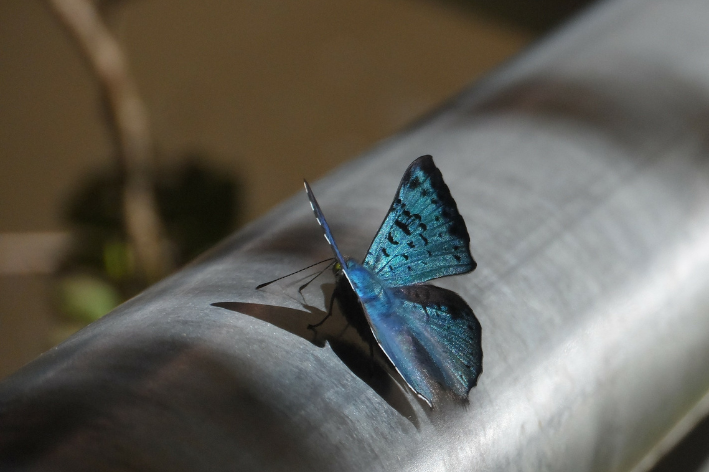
[[580, 169]]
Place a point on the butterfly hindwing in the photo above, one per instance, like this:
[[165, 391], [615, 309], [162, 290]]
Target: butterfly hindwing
[[431, 336], [423, 236]]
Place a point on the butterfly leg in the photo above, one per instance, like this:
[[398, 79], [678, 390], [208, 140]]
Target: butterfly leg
[[342, 333], [302, 287], [372, 366], [329, 314]]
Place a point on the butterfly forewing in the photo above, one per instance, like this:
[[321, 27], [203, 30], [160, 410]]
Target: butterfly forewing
[[320, 217], [423, 236]]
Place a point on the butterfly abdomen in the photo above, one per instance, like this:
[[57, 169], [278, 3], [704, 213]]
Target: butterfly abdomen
[[352, 310]]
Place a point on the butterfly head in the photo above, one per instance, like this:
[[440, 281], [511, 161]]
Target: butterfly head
[[338, 269]]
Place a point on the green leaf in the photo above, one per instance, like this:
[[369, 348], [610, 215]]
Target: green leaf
[[85, 298]]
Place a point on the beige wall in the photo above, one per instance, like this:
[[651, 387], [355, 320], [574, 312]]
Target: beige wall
[[273, 90]]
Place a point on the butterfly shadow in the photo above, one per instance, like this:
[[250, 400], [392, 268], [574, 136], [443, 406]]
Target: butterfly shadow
[[369, 365]]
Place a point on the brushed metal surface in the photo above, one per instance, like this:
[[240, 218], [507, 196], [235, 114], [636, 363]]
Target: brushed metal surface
[[581, 171]]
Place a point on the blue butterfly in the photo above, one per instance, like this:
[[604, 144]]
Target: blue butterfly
[[429, 334]]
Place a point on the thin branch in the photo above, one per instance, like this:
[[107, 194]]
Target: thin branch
[[130, 125]]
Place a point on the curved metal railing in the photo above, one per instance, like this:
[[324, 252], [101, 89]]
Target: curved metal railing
[[581, 171]]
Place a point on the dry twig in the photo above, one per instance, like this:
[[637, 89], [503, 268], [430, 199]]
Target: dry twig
[[130, 125]]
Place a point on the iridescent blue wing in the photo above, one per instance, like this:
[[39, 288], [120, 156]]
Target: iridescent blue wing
[[431, 336], [323, 224], [423, 236]]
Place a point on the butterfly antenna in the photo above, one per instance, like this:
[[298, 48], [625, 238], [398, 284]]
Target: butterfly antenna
[[302, 287], [293, 273]]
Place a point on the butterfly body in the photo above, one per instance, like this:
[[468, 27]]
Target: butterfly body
[[370, 289], [351, 307], [429, 334]]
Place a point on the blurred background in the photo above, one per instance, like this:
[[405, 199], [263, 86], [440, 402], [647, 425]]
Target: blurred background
[[244, 98]]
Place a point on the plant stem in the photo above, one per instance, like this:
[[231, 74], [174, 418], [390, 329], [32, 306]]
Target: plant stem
[[129, 123]]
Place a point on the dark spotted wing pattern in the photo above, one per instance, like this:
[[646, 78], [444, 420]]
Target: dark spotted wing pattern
[[423, 236]]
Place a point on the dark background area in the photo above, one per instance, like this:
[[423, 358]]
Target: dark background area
[[538, 16]]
